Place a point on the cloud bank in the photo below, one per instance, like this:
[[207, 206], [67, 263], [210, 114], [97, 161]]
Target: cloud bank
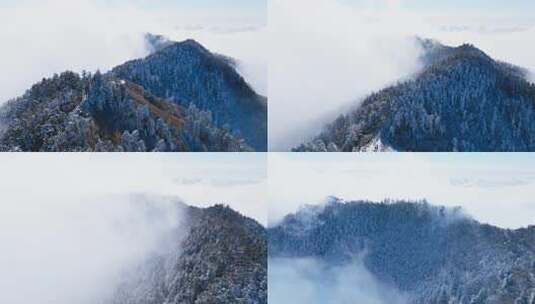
[[307, 280]]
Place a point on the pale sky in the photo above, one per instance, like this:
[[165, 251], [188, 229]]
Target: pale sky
[[244, 7], [198, 179], [490, 6], [494, 188]]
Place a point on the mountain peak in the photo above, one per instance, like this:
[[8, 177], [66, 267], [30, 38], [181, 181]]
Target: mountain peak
[[470, 49], [159, 45], [435, 52], [191, 45], [191, 42]]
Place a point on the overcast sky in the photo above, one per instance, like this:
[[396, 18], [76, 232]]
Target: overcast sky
[[43, 37], [494, 188], [198, 179]]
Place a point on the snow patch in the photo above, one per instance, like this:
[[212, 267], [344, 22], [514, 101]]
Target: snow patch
[[376, 145]]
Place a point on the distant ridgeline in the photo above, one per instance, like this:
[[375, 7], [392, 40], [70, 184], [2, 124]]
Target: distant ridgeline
[[462, 100], [433, 254], [223, 259], [180, 98]]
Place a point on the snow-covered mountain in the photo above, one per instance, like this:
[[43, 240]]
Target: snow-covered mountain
[[461, 100], [180, 98], [431, 254], [187, 74], [221, 259]]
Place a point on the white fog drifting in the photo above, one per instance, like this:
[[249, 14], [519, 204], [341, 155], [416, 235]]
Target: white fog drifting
[[66, 249], [319, 283]]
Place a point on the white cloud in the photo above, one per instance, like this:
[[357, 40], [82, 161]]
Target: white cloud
[[326, 55], [307, 280], [40, 38], [493, 189], [74, 250]]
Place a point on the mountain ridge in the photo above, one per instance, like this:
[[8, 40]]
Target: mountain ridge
[[222, 90], [222, 259], [106, 112], [433, 253], [459, 90]]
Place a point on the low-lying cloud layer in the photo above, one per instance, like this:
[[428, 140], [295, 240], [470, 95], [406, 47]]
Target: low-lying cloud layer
[[310, 281]]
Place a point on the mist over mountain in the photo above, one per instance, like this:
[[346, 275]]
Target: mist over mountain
[[419, 252], [122, 249], [221, 259], [180, 98], [156, 43], [462, 100]]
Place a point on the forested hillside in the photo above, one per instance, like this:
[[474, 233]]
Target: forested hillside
[[433, 254], [111, 112], [188, 74], [222, 259], [462, 100]]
